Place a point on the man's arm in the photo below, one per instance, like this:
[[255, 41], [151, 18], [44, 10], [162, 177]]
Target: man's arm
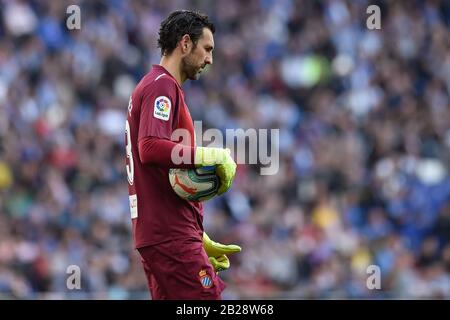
[[158, 152]]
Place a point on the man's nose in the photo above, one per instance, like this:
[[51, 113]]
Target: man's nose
[[209, 60]]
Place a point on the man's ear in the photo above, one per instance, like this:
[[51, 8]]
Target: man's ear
[[185, 43]]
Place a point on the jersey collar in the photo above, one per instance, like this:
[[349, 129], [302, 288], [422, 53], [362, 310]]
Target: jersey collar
[[162, 69]]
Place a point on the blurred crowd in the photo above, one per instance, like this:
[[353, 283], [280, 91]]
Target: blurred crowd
[[364, 119]]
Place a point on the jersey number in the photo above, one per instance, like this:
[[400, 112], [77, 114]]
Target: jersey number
[[130, 165]]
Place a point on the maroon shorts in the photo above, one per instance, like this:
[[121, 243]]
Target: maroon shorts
[[180, 271]]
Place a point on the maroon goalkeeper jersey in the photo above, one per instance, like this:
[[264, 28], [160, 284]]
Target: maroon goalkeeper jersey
[[156, 109]]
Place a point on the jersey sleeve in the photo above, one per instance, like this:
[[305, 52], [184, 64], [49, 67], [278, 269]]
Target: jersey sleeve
[[159, 152], [159, 109]]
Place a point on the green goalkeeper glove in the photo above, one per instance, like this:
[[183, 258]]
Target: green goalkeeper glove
[[221, 159], [217, 253]]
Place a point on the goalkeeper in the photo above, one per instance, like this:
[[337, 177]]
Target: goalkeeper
[[179, 259]]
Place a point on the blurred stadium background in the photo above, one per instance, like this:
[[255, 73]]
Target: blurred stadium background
[[364, 120]]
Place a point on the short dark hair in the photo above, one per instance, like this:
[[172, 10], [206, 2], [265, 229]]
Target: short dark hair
[[179, 23]]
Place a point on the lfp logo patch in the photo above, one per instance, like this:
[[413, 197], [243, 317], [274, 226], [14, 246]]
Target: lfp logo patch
[[205, 279], [162, 108]]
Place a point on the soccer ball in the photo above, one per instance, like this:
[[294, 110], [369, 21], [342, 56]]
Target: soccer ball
[[199, 184]]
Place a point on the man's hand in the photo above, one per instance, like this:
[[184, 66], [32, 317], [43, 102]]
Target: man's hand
[[221, 159], [221, 263], [217, 253]]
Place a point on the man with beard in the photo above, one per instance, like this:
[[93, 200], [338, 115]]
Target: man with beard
[[179, 259]]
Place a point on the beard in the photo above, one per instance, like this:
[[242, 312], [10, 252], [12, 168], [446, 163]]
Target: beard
[[190, 68]]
